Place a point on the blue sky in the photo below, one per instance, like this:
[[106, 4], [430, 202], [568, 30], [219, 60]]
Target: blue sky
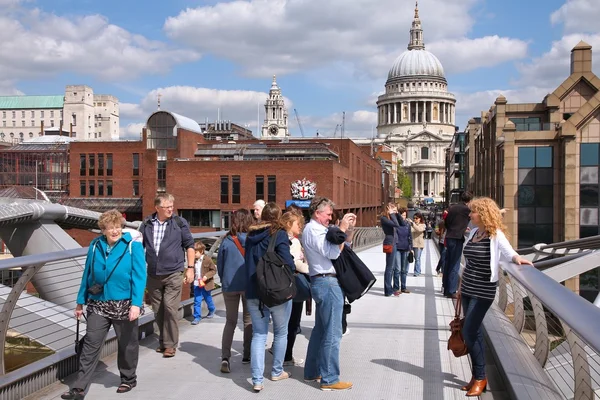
[[329, 57]]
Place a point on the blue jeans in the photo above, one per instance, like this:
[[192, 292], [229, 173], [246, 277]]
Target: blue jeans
[[440, 264], [199, 295], [417, 252], [390, 267], [400, 270], [260, 329], [323, 354], [474, 310], [454, 249]]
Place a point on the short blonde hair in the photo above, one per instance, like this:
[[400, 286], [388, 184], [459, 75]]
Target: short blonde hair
[[111, 217], [200, 247]]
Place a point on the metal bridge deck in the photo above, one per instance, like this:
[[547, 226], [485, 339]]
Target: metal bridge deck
[[396, 348]]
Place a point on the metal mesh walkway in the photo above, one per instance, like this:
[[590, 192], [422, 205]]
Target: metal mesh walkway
[[396, 348]]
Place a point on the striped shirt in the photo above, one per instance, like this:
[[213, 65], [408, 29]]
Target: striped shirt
[[477, 273], [159, 233]]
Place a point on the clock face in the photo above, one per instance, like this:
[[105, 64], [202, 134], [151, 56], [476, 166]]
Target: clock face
[[273, 130]]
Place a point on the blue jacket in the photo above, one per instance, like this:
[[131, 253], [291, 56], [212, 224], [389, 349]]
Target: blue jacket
[[172, 248], [257, 243], [129, 279], [231, 265], [403, 238], [389, 226]]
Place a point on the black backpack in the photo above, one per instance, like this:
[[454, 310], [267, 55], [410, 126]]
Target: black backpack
[[276, 283]]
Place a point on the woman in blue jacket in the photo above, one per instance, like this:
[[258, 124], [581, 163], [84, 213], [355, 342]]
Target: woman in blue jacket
[[404, 245], [257, 242], [232, 271], [112, 288], [389, 223]]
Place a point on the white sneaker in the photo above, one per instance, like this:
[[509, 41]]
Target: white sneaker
[[293, 362], [347, 332]]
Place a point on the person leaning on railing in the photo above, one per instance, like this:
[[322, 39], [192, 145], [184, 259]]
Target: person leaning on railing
[[486, 245], [112, 287]]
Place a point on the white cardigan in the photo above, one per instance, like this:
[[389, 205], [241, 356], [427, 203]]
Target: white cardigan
[[500, 249]]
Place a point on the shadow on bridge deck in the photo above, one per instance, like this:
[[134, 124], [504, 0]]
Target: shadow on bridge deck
[[396, 348]]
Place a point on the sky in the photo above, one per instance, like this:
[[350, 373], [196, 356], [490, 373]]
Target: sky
[[208, 58]]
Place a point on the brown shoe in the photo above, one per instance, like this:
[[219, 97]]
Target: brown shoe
[[160, 349], [477, 388], [169, 352], [405, 291], [337, 386], [469, 385]]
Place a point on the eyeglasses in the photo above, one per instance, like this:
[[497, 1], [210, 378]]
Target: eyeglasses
[[166, 207]]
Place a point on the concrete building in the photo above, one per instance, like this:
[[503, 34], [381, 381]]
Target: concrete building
[[275, 125], [416, 115], [79, 114]]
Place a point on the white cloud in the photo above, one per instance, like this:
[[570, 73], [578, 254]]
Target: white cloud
[[131, 111], [37, 44], [279, 36], [578, 16], [554, 66], [131, 131]]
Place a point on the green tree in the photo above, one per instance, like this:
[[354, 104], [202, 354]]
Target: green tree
[[404, 181]]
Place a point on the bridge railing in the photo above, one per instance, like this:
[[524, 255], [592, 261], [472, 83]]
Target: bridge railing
[[42, 334], [560, 328]]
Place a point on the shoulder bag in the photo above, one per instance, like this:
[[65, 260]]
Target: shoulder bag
[[456, 342], [239, 245]]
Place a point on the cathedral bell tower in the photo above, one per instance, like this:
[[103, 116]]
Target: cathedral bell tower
[[276, 115]]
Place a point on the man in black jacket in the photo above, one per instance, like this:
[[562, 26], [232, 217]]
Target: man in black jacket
[[456, 223], [167, 240]]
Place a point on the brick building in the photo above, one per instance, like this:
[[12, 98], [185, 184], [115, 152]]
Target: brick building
[[210, 180]]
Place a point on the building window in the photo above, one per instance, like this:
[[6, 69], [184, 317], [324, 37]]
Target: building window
[[82, 188], [33, 114], [3, 114], [271, 188], [91, 164], [161, 175], [4, 124], [52, 123], [92, 188], [109, 164], [260, 187], [424, 153], [22, 123], [41, 114], [226, 219], [14, 114], [109, 188], [535, 196], [235, 189], [136, 188], [32, 123], [100, 164], [136, 164], [51, 114], [589, 189], [100, 188], [208, 218], [82, 165], [224, 189]]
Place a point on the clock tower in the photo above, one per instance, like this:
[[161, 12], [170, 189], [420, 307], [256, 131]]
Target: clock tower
[[276, 115]]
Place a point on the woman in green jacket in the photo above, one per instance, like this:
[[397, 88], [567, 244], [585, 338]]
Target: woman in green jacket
[[112, 288]]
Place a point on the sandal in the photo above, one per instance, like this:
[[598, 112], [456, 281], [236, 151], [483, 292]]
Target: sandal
[[126, 387]]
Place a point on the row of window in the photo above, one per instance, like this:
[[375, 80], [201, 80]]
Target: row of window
[[259, 185], [589, 189], [87, 164], [104, 188], [23, 114], [23, 124]]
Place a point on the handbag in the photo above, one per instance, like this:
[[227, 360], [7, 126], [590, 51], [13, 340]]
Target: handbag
[[388, 248], [411, 257], [456, 342]]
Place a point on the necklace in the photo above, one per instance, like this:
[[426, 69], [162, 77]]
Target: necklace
[[480, 235]]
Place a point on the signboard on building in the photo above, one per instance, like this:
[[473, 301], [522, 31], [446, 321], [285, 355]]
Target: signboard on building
[[299, 203]]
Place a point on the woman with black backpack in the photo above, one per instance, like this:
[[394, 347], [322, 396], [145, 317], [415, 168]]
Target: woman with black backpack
[[268, 234]]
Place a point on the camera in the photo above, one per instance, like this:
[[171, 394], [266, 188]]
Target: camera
[[96, 288]]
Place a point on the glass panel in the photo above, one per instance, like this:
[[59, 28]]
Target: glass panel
[[544, 234], [224, 189], [91, 185], [526, 215], [109, 188], [526, 176], [260, 187], [526, 196], [543, 157], [109, 165], [136, 188], [82, 165], [587, 231], [235, 189], [544, 215], [544, 196], [588, 175], [91, 164], [100, 188], [526, 235], [589, 154], [544, 176], [588, 195], [272, 188], [136, 164], [100, 164], [82, 187], [588, 217], [526, 157]]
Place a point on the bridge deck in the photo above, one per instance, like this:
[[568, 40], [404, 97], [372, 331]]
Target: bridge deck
[[396, 347]]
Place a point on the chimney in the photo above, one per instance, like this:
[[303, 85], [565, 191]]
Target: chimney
[[581, 58]]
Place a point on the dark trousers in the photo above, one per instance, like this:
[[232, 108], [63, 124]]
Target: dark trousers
[[293, 324], [452, 265], [165, 295], [390, 260], [440, 264], [475, 310], [232, 305], [344, 321], [128, 348]]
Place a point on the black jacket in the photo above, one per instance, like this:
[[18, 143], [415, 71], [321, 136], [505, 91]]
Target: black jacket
[[389, 226], [457, 221], [171, 257]]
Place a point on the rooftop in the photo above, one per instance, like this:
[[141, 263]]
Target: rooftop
[[31, 102]]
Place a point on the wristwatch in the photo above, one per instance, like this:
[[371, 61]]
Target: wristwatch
[[191, 266]]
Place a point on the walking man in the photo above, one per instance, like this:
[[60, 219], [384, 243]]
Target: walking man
[[323, 355], [168, 240], [456, 223]]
